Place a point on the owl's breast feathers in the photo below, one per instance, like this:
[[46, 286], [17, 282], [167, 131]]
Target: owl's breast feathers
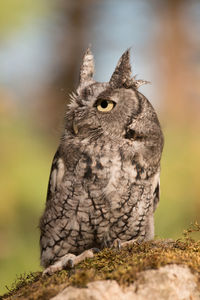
[[101, 164], [103, 195], [107, 178]]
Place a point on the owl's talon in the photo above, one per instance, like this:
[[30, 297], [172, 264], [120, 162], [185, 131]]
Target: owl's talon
[[129, 243], [70, 263], [45, 272], [95, 250], [117, 244], [51, 269]]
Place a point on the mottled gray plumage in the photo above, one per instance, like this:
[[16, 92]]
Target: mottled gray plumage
[[104, 181]]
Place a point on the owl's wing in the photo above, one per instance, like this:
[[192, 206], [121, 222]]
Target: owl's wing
[[156, 194], [56, 175]]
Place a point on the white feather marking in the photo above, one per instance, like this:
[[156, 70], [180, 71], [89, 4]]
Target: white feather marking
[[53, 181], [131, 171], [114, 175], [57, 175], [60, 171], [155, 181], [110, 191]]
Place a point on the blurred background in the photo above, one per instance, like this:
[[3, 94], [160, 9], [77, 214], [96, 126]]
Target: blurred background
[[41, 47]]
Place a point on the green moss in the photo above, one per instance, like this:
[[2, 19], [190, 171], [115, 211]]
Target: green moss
[[122, 266]]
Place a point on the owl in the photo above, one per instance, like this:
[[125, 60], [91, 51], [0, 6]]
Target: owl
[[105, 177]]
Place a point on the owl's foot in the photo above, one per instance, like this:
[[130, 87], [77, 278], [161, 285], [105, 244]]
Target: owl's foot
[[118, 244], [69, 261], [127, 243]]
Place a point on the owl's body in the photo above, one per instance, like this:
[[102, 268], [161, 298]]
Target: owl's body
[[104, 181]]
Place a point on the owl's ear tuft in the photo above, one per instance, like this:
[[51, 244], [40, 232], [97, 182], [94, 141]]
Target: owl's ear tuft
[[134, 83], [87, 68], [139, 82], [122, 71]]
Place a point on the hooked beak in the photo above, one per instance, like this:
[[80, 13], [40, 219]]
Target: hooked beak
[[75, 128]]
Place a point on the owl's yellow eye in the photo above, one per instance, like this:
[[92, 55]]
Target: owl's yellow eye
[[105, 105]]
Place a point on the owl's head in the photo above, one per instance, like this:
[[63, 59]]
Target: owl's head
[[113, 109]]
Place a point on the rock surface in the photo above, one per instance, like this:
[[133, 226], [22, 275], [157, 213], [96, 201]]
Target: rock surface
[[171, 282], [159, 269]]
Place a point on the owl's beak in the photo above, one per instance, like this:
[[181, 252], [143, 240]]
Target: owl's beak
[[75, 128]]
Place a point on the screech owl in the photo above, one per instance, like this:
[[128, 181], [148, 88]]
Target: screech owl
[[105, 176]]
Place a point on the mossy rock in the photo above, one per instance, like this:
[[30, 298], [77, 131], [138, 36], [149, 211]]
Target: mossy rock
[[122, 266]]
